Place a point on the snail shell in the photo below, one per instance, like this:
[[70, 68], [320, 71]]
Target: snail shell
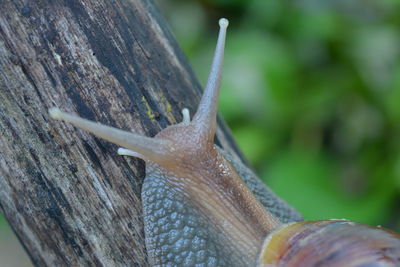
[[330, 243]]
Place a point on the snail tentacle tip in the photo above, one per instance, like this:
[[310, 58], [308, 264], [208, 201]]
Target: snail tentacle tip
[[55, 113], [223, 23], [127, 152]]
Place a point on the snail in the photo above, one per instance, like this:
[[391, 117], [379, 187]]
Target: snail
[[204, 207]]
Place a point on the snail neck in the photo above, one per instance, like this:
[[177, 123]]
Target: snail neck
[[214, 188]]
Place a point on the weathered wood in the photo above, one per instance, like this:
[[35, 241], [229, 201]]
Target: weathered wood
[[68, 196]]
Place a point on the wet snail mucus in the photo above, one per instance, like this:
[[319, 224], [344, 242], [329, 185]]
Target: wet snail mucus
[[204, 207]]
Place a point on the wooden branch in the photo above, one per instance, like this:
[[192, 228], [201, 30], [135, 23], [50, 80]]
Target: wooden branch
[[68, 196]]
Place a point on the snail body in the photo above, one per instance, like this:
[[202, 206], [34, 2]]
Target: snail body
[[204, 207]]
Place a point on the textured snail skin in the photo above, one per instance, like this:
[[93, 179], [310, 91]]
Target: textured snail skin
[[271, 202], [331, 243], [176, 232]]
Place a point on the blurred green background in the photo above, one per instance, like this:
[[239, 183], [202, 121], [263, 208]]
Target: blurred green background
[[311, 91]]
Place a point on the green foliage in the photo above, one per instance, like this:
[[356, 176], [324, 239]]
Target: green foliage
[[3, 222], [311, 91]]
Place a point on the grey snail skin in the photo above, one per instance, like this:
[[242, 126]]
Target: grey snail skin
[[204, 207]]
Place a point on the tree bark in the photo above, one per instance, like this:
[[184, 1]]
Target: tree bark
[[70, 199]]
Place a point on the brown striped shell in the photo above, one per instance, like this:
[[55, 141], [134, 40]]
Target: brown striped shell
[[330, 243]]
